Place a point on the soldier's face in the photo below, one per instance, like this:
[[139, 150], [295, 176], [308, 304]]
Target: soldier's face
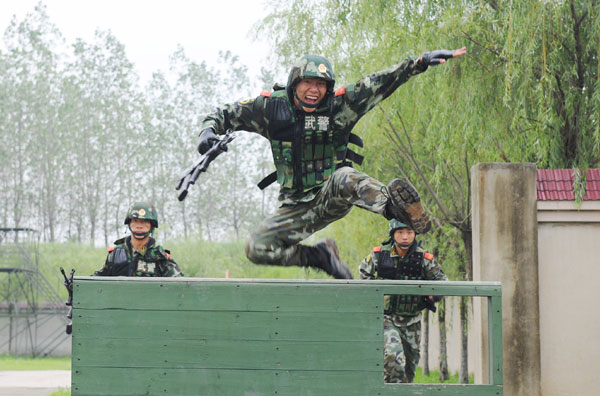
[[311, 91], [404, 236], [140, 225]]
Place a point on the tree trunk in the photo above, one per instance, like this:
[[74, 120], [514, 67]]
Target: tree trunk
[[443, 353], [464, 341], [464, 309], [425, 351]]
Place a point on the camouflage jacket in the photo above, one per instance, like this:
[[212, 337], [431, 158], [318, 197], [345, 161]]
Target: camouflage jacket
[[430, 270], [344, 109], [151, 260]]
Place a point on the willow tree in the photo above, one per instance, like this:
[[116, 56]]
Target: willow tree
[[526, 92]]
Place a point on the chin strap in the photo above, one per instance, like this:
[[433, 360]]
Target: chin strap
[[140, 235], [403, 245]]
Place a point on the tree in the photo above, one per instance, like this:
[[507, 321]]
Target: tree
[[30, 124], [528, 91]]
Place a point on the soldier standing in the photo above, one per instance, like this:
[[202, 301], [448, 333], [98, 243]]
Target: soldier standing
[[401, 258], [138, 254], [308, 125]]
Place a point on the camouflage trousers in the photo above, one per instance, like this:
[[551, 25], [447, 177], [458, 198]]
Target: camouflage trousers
[[275, 242], [401, 351]]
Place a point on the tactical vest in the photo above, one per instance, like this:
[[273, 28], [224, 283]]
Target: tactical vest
[[306, 149], [123, 264], [407, 268]]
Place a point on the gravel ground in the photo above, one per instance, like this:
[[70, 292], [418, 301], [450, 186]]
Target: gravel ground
[[33, 383]]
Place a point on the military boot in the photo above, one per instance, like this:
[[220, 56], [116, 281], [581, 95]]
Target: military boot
[[404, 205], [325, 256]]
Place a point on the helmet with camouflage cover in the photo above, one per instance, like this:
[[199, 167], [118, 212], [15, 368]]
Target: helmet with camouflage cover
[[397, 225], [310, 66], [143, 210]]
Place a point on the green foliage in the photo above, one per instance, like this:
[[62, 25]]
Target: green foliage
[[61, 392], [196, 257], [41, 363], [92, 140], [527, 91], [434, 378]]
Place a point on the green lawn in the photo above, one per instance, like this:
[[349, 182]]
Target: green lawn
[[196, 258], [28, 363], [434, 378]]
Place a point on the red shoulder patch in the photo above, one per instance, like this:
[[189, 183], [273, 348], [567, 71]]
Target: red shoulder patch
[[168, 255], [377, 249], [429, 256], [110, 249], [266, 93], [340, 91]]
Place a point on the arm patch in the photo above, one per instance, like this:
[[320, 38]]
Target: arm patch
[[377, 249], [266, 94], [429, 256], [340, 91], [110, 249]]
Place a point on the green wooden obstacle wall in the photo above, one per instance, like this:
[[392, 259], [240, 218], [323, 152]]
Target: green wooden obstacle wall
[[189, 336]]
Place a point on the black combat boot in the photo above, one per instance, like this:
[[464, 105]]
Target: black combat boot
[[324, 255], [404, 205]]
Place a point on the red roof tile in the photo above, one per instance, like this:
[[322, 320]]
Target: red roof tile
[[557, 185]]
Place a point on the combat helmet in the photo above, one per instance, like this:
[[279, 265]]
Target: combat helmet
[[310, 66], [143, 210], [397, 225]]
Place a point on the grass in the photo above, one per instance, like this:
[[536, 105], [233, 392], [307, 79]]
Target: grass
[[434, 378], [196, 258], [29, 363], [60, 363], [61, 392]]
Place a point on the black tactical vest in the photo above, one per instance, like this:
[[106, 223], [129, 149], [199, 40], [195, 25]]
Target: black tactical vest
[[409, 267], [124, 264], [306, 149]]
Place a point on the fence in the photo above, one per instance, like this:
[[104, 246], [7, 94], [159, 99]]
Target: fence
[[187, 336]]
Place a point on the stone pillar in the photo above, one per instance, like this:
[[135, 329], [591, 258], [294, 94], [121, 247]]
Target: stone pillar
[[505, 249]]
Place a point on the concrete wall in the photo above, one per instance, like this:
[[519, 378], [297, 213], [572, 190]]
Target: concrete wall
[[505, 249], [569, 256], [452, 339], [46, 333]]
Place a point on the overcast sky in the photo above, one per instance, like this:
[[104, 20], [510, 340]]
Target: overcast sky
[[152, 29]]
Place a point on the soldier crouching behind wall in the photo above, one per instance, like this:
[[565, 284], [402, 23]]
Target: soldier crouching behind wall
[[138, 254]]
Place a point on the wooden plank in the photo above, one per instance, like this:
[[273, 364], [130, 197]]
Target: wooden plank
[[230, 354], [495, 340], [182, 325], [88, 381], [235, 296], [438, 390], [183, 382]]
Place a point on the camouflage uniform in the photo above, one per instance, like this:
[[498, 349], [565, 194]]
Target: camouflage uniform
[[402, 314], [317, 187], [151, 260]]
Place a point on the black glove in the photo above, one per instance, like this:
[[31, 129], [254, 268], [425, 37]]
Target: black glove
[[207, 139], [433, 58]]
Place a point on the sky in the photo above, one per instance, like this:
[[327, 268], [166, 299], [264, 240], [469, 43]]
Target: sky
[[152, 29]]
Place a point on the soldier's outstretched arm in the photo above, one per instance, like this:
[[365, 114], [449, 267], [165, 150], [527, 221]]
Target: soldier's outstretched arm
[[369, 91], [438, 57], [247, 115]]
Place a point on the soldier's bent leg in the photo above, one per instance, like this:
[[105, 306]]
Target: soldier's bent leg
[[276, 242], [393, 356], [411, 342], [396, 200]]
